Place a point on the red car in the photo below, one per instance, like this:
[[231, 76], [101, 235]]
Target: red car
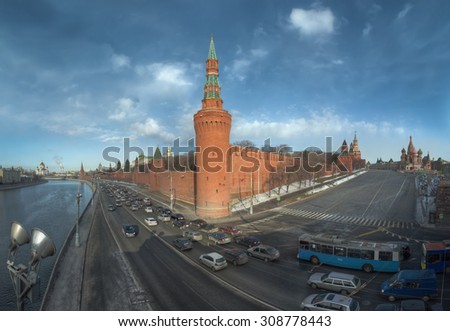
[[231, 229]]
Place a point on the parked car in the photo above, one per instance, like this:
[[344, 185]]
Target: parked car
[[264, 252], [335, 281], [214, 260], [130, 230], [183, 244], [179, 224], [151, 221], [230, 229], [193, 235], [219, 238], [235, 256], [178, 217], [148, 209], [198, 223], [164, 217], [247, 241], [329, 301]]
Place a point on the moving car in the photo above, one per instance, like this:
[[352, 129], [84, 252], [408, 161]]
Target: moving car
[[151, 221], [177, 217], [335, 281], [329, 301], [199, 223], [183, 244], [130, 230], [111, 208], [264, 252], [179, 224], [164, 217], [247, 241], [219, 238], [235, 256], [214, 260], [193, 235], [148, 209], [230, 229]]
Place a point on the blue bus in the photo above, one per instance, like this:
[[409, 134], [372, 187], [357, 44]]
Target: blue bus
[[436, 256], [361, 255]]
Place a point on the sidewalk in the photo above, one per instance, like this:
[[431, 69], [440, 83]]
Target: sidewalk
[[64, 288]]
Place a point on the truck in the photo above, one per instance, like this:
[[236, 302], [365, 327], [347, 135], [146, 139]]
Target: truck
[[409, 284]]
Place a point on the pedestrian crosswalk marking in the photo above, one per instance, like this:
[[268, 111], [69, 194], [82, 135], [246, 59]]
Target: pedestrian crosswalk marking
[[345, 219]]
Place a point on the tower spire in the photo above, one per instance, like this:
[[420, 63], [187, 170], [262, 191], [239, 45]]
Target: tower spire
[[212, 51], [211, 90]]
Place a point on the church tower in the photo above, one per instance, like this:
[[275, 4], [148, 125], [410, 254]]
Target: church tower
[[212, 136]]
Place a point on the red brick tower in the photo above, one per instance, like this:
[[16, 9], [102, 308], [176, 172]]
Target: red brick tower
[[356, 151], [212, 135]]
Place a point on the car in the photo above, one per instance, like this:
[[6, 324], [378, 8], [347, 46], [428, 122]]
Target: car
[[111, 208], [146, 200], [209, 228], [166, 211], [213, 260], [219, 238], [329, 301], [179, 224], [148, 209], [230, 229], [247, 241], [164, 217], [183, 244], [151, 221], [235, 256], [409, 305], [178, 217], [335, 281], [134, 207], [159, 209], [119, 204], [193, 235], [130, 230], [198, 223], [264, 252]]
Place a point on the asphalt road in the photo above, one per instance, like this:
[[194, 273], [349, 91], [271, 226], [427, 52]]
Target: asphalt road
[[147, 273]]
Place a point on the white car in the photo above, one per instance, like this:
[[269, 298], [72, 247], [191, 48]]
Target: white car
[[193, 235], [151, 221], [148, 209], [214, 260]]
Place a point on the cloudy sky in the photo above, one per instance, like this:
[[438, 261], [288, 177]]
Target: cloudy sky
[[77, 77]]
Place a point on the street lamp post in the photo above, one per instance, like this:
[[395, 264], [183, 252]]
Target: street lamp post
[[77, 235], [171, 180], [23, 277]]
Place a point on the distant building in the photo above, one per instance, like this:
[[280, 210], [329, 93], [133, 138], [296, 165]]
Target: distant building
[[9, 176], [411, 159], [42, 170]]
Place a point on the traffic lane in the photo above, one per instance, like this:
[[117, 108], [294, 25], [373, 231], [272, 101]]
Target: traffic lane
[[370, 195], [106, 282], [177, 284]]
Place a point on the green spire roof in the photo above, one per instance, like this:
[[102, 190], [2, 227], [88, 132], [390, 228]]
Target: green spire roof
[[212, 51]]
